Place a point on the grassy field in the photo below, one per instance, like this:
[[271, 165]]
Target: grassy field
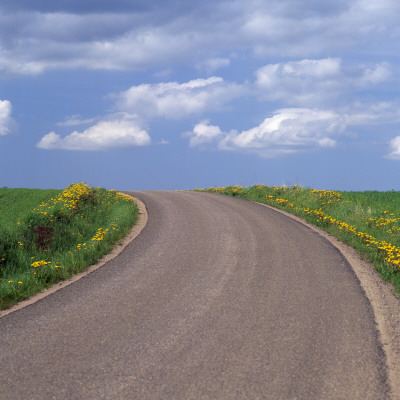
[[17, 203], [48, 235], [368, 221]]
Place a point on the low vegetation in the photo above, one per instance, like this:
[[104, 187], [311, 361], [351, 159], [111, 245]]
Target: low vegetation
[[48, 235], [368, 221]]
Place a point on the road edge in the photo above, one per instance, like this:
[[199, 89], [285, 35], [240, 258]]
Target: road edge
[[135, 231], [380, 294]]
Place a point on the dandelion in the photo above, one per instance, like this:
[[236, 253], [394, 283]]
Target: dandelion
[[37, 264]]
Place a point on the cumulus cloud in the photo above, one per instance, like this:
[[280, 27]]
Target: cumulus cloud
[[394, 149], [176, 100], [118, 133], [292, 130], [287, 131], [203, 134], [170, 100], [7, 124]]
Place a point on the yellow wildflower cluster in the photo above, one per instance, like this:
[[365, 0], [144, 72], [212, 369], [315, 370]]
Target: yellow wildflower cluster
[[73, 194], [282, 202], [100, 234], [69, 198], [326, 194], [391, 225], [390, 252], [120, 195], [37, 264]]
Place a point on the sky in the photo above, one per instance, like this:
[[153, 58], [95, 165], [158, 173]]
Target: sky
[[179, 94]]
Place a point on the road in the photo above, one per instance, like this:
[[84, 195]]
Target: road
[[217, 298]]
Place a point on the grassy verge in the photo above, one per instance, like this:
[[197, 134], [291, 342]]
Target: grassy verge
[[368, 221], [47, 236]]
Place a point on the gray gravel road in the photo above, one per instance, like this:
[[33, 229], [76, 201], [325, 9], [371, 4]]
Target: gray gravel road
[[217, 298]]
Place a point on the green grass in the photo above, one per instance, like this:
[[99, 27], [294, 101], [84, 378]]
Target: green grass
[[368, 221], [48, 235], [17, 203]]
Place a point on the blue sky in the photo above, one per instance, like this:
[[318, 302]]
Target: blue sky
[[181, 94]]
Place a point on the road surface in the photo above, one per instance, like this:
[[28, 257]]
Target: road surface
[[217, 298]]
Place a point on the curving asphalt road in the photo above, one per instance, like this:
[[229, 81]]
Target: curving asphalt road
[[217, 298]]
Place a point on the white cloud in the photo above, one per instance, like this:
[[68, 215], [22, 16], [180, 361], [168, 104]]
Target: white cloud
[[287, 131], [104, 135], [291, 130], [298, 79], [310, 82], [176, 100], [376, 74], [395, 149], [7, 124], [203, 134], [170, 99]]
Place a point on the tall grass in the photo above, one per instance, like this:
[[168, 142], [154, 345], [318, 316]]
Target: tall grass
[[61, 236], [368, 221]]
